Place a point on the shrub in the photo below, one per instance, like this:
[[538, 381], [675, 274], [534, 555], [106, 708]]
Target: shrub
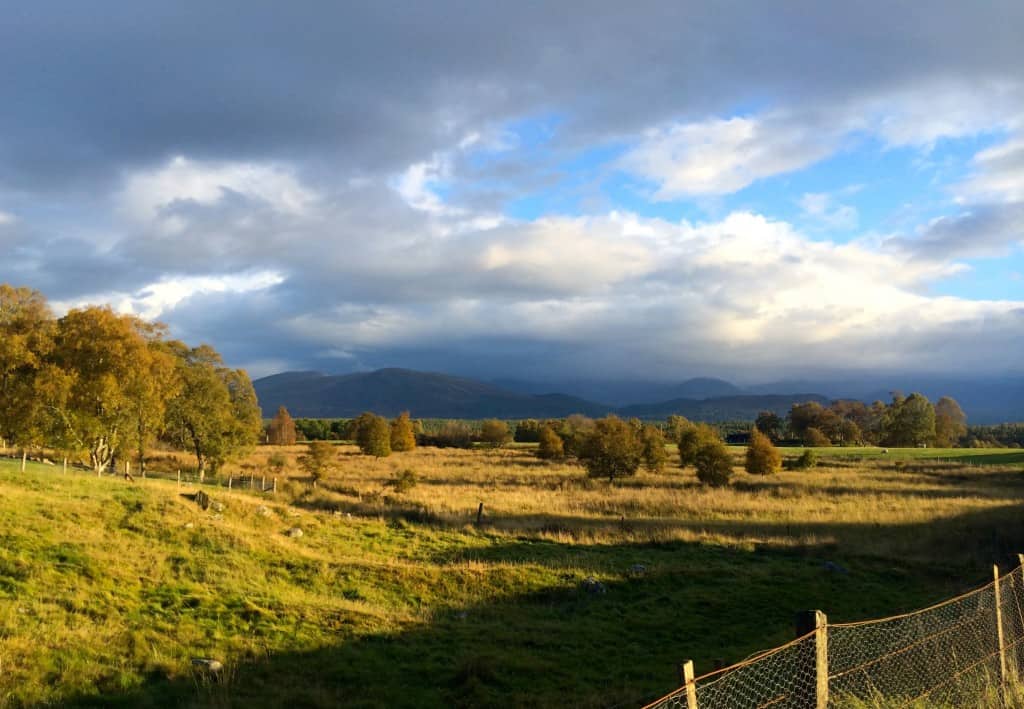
[[692, 439], [277, 462], [713, 463], [402, 436], [612, 450], [373, 435], [762, 457], [574, 432], [814, 437], [319, 460], [551, 447], [654, 453], [807, 460], [404, 481], [494, 433]]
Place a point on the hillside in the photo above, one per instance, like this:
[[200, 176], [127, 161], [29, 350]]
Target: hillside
[[430, 395]]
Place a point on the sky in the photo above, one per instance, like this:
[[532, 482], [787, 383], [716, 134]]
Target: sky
[[533, 190]]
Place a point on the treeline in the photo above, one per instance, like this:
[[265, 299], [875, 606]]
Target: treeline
[[1003, 435], [907, 421], [97, 386]]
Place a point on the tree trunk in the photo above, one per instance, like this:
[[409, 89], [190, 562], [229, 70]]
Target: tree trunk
[[202, 468], [24, 457]]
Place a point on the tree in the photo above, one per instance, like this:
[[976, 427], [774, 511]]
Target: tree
[[281, 431], [215, 413], [804, 416], [814, 437], [104, 357], [494, 433], [770, 424], [713, 462], [550, 447], [762, 457], [318, 460], [675, 425], [691, 440], [152, 384], [613, 449], [527, 431], [654, 453], [574, 432], [26, 339], [402, 436], [373, 435], [910, 421], [950, 422]]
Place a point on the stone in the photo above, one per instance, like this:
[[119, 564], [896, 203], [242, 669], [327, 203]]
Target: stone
[[217, 506], [294, 532], [208, 664], [593, 586], [263, 511], [189, 525], [637, 570]]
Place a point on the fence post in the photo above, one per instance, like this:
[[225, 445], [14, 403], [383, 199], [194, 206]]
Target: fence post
[[179, 477], [686, 679], [229, 482], [263, 484], [275, 486], [999, 630], [816, 622]]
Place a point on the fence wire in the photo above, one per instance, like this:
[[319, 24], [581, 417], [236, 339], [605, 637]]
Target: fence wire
[[958, 653]]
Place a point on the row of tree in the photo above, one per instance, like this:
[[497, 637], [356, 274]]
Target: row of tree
[[98, 386], [907, 421]]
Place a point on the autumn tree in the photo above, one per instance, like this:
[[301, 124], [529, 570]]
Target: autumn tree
[[612, 450], [26, 339], [814, 437], [403, 438], [691, 441], [551, 447], [104, 357], [712, 462], [674, 426], [654, 453], [281, 431], [215, 413], [762, 457], [910, 421], [770, 424], [494, 433], [527, 431], [318, 460], [950, 422], [373, 435], [151, 385]]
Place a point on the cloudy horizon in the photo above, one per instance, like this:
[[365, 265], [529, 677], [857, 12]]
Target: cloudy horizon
[[656, 191]]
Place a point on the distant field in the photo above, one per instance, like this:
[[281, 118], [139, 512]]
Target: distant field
[[108, 590]]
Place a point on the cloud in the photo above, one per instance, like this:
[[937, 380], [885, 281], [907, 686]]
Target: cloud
[[822, 208], [718, 156], [998, 174]]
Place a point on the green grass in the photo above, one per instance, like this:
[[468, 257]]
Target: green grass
[[968, 456], [108, 590]]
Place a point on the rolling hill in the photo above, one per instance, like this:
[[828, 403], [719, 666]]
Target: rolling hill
[[430, 395]]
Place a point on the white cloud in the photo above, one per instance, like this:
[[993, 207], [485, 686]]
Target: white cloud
[[719, 156], [146, 193], [998, 174], [6, 218], [822, 208]]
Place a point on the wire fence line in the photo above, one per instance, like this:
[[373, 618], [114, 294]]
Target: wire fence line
[[967, 651]]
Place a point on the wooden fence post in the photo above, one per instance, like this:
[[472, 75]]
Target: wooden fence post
[[229, 481], [816, 622], [479, 514], [275, 486], [263, 484], [65, 466], [252, 481], [179, 477], [999, 630], [686, 680]]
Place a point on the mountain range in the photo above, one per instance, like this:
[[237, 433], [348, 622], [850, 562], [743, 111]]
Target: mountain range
[[430, 395]]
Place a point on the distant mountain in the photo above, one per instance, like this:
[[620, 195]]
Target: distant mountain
[[429, 395], [425, 394], [744, 407], [704, 388]]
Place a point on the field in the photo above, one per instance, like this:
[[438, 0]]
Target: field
[[570, 592]]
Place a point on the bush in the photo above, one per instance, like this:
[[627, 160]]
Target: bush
[[807, 460], [404, 481], [612, 450], [278, 462], [402, 436], [692, 439], [713, 463], [654, 453], [574, 432], [762, 456], [551, 447], [319, 460], [373, 435], [494, 433]]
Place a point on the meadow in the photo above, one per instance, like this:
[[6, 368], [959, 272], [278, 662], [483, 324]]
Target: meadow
[[571, 591]]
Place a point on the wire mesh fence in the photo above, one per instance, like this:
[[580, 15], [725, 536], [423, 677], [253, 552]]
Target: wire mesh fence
[[967, 651]]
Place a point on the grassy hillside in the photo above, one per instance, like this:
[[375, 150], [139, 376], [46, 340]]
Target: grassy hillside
[[571, 592]]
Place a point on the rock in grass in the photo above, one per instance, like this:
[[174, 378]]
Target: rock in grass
[[263, 511], [208, 664], [593, 586], [637, 570], [294, 532], [217, 506]]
